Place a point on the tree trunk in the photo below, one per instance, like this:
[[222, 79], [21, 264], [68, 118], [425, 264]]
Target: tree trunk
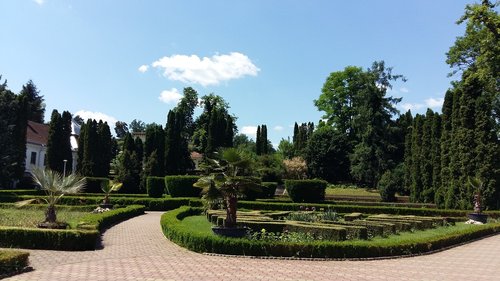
[[232, 201], [50, 214]]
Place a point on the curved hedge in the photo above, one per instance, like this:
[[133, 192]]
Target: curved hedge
[[12, 261], [85, 237], [174, 230], [306, 190]]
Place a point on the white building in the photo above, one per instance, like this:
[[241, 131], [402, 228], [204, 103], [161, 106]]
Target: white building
[[37, 136]]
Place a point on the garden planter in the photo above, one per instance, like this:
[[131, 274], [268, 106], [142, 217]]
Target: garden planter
[[53, 225], [478, 217], [106, 206], [235, 232]]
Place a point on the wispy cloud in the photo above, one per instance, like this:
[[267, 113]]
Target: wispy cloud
[[404, 90], [39, 2], [411, 106], [207, 70], [85, 114], [143, 68], [278, 128], [249, 130], [170, 96], [434, 103]]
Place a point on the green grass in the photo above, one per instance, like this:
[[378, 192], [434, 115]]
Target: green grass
[[30, 216], [11, 261], [197, 225], [350, 191]]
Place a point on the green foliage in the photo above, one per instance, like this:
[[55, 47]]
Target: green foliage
[[286, 149], [95, 146], [12, 261], [93, 184], [36, 105], [269, 189], [67, 240], [137, 126], [177, 157], [413, 243], [155, 144], [301, 135], [269, 167], [129, 167], [58, 144], [155, 186], [390, 183], [327, 155], [306, 190], [182, 186], [13, 124]]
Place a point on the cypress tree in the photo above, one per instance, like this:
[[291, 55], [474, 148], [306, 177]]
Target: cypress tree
[[155, 143], [139, 148], [55, 156], [416, 179], [19, 134], [426, 168], [408, 160], [81, 148], [105, 144], [436, 154], [445, 143], [258, 138], [65, 141], [229, 133], [263, 140]]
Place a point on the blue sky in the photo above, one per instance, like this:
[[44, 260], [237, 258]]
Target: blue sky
[[125, 60]]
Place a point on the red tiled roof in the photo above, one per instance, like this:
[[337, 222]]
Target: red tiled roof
[[37, 133]]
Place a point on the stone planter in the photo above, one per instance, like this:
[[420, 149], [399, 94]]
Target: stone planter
[[478, 217], [235, 232], [55, 225]]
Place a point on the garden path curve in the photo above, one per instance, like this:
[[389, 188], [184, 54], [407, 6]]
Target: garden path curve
[[137, 250]]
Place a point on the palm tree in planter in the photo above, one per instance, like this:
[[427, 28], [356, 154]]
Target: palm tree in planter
[[55, 186], [228, 186], [477, 215], [107, 187]]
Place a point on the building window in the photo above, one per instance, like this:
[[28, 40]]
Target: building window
[[33, 158]]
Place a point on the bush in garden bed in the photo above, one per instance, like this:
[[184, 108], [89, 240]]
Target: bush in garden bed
[[85, 237], [12, 261], [269, 188], [182, 186], [306, 190], [155, 186], [174, 230], [93, 184]]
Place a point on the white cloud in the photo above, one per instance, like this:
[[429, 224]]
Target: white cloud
[[434, 103], [39, 2], [143, 68], [207, 70], [97, 116], [278, 128], [170, 96], [404, 90], [411, 106], [249, 130]]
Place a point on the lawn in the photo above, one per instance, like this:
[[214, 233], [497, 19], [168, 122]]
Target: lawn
[[30, 216], [332, 190], [197, 225]]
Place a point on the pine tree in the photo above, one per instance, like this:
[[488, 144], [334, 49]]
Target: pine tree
[[35, 105]]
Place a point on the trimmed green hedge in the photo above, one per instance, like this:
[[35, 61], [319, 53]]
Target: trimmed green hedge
[[256, 205], [306, 190], [269, 188], [83, 238], [182, 186], [155, 186], [12, 261], [174, 230], [93, 184]]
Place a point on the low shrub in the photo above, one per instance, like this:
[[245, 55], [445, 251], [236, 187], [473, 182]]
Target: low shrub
[[174, 229], [269, 188], [93, 184], [85, 237], [12, 261], [182, 186], [388, 186], [155, 186], [306, 190]]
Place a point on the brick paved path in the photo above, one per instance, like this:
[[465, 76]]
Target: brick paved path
[[137, 250]]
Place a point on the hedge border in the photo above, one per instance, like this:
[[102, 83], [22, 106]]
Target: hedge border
[[85, 237], [171, 226], [12, 262]]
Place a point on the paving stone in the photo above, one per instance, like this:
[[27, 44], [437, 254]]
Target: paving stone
[[136, 250]]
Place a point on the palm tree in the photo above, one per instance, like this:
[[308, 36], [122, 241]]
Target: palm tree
[[227, 185], [107, 187], [55, 186]]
